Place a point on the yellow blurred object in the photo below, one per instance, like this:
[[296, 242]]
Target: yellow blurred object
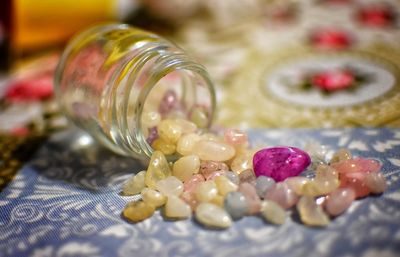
[[40, 23]]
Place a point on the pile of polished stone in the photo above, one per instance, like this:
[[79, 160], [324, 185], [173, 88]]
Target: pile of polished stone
[[218, 178]]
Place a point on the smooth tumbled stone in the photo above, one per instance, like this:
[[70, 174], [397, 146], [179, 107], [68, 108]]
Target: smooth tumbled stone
[[235, 137], [236, 205], [224, 185], [280, 163], [199, 117], [158, 169], [212, 215], [232, 176], [252, 198], [186, 166], [247, 176], [242, 161], [339, 200], [297, 184], [341, 155], [135, 184], [153, 197], [169, 102], [218, 200], [376, 182], [311, 213], [170, 186], [186, 143], [186, 126], [169, 130], [191, 184], [214, 175], [138, 211], [357, 165], [190, 199], [206, 191], [163, 146], [326, 180], [356, 181], [214, 151], [176, 208], [273, 212], [263, 183], [282, 194], [209, 167], [151, 119]]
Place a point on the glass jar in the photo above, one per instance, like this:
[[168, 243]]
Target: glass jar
[[110, 76]]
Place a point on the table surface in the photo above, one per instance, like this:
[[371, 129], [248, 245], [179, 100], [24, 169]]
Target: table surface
[[65, 202]]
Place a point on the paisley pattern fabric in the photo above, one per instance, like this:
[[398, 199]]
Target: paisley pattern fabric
[[66, 202]]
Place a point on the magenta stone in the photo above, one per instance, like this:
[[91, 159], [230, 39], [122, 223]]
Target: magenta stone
[[280, 163]]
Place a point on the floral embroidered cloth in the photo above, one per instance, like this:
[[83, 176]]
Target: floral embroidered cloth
[[66, 202]]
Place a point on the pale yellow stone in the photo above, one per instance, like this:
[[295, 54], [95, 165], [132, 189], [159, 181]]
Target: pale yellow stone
[[186, 126], [242, 161], [163, 146], [186, 143], [211, 137], [311, 213], [138, 211], [151, 119], [297, 184], [214, 151], [218, 200], [176, 208], [158, 169], [225, 185], [212, 215], [273, 212], [169, 131], [341, 155], [199, 117], [135, 184], [170, 186], [186, 166], [153, 197], [206, 191]]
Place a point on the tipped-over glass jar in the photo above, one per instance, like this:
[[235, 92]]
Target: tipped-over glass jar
[[116, 81]]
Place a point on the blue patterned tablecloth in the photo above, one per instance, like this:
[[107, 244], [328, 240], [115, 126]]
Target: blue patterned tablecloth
[[66, 202]]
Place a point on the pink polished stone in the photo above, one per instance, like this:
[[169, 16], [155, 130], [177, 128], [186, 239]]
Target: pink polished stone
[[190, 199], [215, 174], [209, 167], [356, 181], [191, 184], [169, 102], [357, 165], [282, 194], [235, 137], [252, 199], [247, 176], [280, 163], [339, 200]]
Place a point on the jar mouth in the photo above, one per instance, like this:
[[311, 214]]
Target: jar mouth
[[174, 91]]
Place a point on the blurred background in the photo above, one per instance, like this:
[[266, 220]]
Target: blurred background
[[275, 63]]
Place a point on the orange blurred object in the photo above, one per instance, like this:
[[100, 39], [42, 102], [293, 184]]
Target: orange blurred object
[[42, 23]]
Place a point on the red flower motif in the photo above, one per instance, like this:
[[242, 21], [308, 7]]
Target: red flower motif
[[377, 15], [330, 39], [39, 87], [333, 80]]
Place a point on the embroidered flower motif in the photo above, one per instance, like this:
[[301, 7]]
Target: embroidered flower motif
[[376, 15], [39, 87], [330, 39], [334, 80]]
